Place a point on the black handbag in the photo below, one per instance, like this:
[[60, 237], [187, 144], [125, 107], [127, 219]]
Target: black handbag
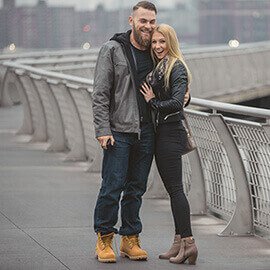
[[190, 143]]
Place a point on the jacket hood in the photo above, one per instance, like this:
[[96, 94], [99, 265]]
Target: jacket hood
[[123, 38]]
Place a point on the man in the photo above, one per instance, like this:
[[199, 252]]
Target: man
[[124, 130]]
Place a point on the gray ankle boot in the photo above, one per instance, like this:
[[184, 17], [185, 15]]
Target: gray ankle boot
[[188, 251], [174, 250]]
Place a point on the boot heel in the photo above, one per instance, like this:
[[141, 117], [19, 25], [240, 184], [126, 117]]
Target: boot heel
[[192, 259]]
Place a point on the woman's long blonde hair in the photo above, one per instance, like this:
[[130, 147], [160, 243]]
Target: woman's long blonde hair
[[174, 52]]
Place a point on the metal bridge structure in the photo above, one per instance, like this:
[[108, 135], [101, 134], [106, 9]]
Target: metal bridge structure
[[228, 175]]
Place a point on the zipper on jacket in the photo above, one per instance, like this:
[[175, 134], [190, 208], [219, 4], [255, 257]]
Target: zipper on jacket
[[139, 134], [168, 115], [157, 119]]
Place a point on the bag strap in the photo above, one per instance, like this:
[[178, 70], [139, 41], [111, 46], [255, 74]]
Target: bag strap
[[187, 124]]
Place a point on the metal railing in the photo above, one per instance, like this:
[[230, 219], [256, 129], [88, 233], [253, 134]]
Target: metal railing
[[54, 62], [228, 174], [48, 54], [219, 73], [45, 59], [235, 159]]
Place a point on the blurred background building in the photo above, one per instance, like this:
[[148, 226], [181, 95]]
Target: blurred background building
[[223, 20], [196, 22]]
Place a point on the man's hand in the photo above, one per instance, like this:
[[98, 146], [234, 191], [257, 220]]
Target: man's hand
[[104, 141], [186, 98]]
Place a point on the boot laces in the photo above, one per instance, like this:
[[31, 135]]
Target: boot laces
[[106, 240], [133, 241]]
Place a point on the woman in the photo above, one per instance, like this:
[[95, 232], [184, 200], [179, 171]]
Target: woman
[[164, 91]]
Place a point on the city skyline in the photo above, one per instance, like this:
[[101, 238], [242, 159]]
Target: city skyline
[[92, 4], [195, 21]]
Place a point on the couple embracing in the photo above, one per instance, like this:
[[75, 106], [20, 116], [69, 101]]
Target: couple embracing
[[140, 89]]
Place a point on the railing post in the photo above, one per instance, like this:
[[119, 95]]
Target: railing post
[[27, 125], [37, 109], [266, 127], [55, 129], [96, 162], [5, 99], [3, 71], [71, 120], [79, 148], [241, 222], [196, 196]]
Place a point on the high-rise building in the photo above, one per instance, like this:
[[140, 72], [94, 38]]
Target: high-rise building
[[184, 18], [243, 20], [9, 4], [43, 25], [39, 26], [8, 28], [195, 21], [62, 27]]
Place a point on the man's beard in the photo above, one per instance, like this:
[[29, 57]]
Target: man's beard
[[138, 38]]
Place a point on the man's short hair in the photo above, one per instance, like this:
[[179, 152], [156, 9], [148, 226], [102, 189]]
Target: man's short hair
[[145, 5]]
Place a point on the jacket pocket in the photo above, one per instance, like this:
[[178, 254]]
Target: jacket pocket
[[121, 69]]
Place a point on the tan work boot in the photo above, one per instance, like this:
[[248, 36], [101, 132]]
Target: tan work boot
[[130, 247], [104, 250], [174, 250]]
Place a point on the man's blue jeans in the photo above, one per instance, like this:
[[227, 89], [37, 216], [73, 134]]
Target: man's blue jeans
[[125, 168]]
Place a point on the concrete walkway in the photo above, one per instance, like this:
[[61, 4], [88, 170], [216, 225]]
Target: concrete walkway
[[46, 210]]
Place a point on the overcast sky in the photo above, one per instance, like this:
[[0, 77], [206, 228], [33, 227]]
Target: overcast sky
[[91, 4]]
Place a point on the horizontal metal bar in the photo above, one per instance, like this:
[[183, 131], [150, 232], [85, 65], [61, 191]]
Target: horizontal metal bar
[[51, 74], [222, 48], [54, 60], [232, 108], [240, 121], [37, 54], [71, 67]]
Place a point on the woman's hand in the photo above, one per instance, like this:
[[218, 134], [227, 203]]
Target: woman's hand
[[147, 92], [186, 98]]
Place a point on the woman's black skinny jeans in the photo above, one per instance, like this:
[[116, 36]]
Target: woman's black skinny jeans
[[169, 144]]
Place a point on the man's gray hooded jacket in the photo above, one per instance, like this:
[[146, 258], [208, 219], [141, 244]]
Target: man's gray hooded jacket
[[115, 105]]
